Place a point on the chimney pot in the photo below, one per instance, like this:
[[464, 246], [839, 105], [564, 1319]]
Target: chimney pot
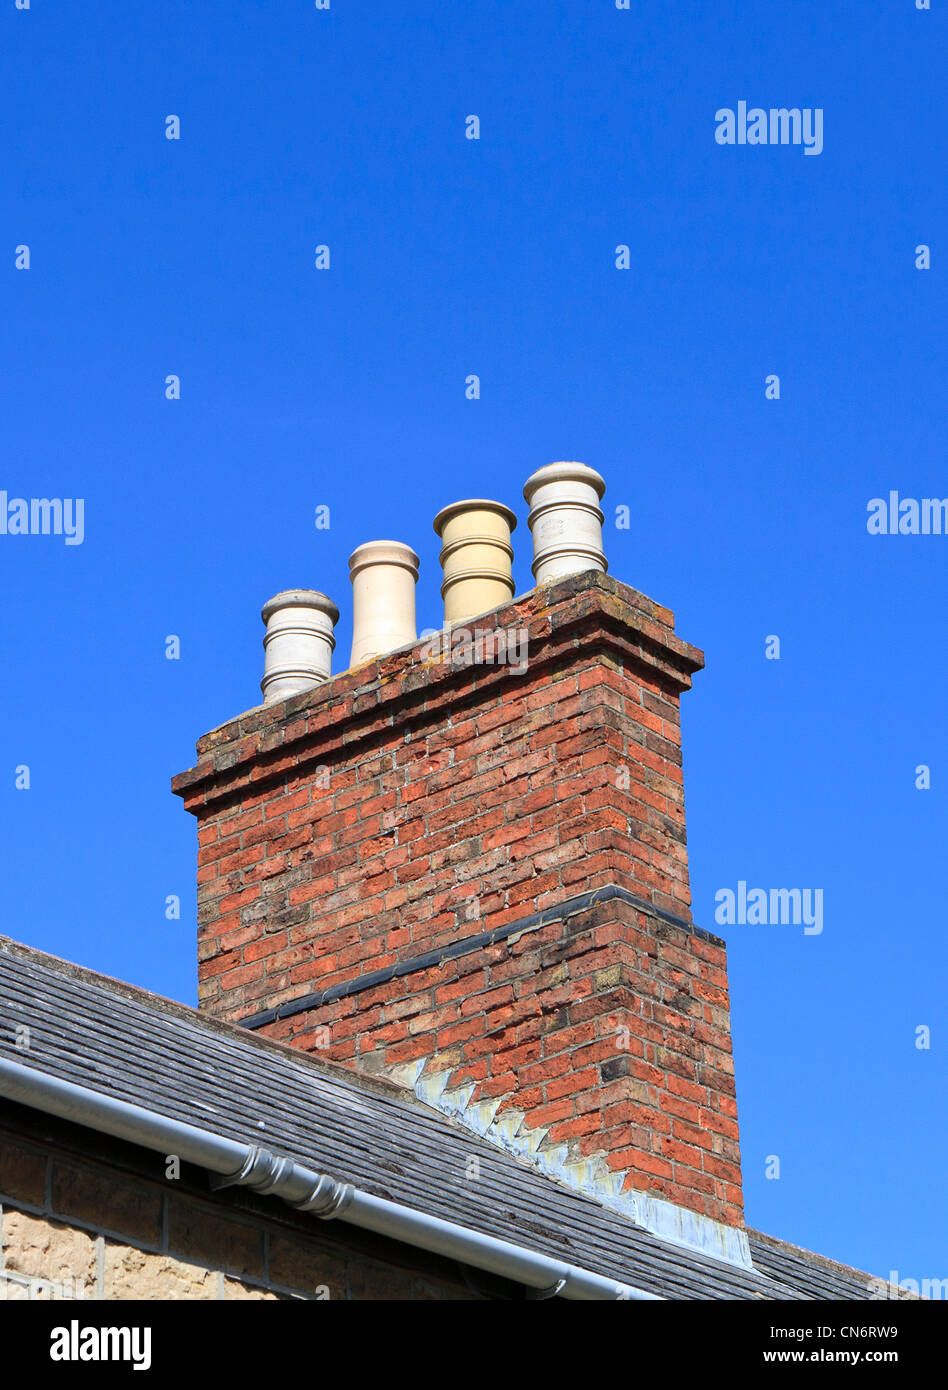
[[565, 520], [383, 574], [298, 643], [476, 556]]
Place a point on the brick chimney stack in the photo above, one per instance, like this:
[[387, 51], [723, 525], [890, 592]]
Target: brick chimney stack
[[466, 868]]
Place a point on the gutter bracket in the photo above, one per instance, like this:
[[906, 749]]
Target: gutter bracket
[[327, 1199], [264, 1172], [261, 1171], [551, 1292]]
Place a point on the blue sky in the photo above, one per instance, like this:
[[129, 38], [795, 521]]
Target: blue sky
[[346, 388]]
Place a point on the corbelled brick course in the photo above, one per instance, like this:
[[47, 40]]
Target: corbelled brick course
[[413, 804]]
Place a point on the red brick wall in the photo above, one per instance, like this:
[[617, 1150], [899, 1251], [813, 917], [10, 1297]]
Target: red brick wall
[[610, 1028], [410, 804]]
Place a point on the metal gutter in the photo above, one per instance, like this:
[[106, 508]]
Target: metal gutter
[[247, 1165]]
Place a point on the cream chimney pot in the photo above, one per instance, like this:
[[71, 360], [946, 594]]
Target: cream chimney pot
[[565, 520], [383, 575], [298, 643], [476, 556]]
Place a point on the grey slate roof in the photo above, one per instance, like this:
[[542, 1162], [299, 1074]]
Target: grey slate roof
[[124, 1042]]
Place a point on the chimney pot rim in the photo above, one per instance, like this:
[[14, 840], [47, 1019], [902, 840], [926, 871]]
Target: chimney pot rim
[[561, 472], [473, 504], [300, 598], [384, 552]]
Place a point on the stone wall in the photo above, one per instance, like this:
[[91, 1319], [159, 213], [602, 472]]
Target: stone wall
[[74, 1226]]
